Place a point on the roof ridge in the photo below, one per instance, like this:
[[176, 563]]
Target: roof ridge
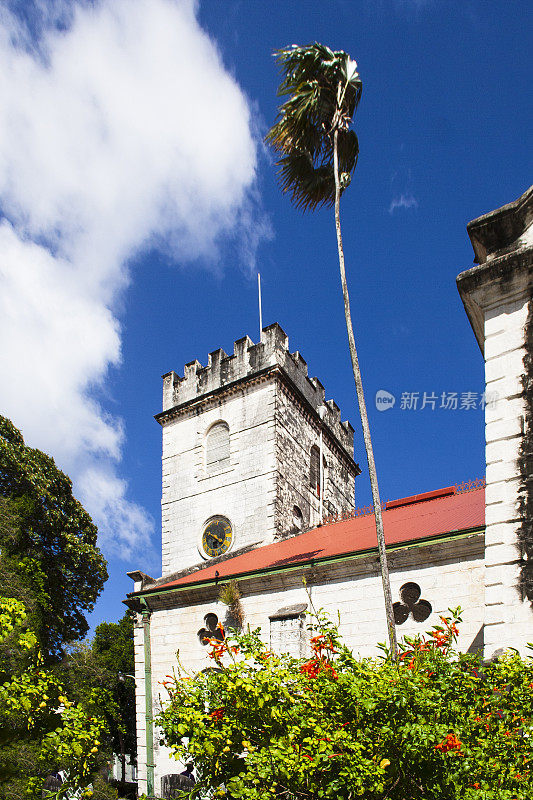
[[422, 497]]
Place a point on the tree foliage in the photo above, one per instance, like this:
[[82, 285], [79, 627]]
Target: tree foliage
[[323, 90], [435, 724], [47, 542], [40, 728]]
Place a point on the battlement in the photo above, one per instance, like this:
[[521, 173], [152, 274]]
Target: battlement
[[248, 360]]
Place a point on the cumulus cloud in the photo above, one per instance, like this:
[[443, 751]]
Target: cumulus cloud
[[403, 200], [120, 129]]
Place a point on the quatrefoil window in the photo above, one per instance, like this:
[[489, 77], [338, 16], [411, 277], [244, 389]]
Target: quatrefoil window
[[211, 630], [411, 605]]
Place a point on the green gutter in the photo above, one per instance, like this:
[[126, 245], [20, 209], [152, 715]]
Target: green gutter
[[146, 613], [319, 562]]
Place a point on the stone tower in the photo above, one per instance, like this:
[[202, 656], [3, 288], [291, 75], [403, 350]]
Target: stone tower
[[498, 298], [241, 452]]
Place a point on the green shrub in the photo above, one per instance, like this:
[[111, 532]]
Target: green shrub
[[438, 724]]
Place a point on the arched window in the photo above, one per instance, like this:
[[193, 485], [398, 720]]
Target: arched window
[[217, 447], [314, 472]]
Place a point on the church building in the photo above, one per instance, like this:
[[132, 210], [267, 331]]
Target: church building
[[259, 485]]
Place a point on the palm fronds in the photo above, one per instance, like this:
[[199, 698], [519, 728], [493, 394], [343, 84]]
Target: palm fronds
[[323, 90]]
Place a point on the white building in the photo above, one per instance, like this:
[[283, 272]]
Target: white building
[[244, 439]]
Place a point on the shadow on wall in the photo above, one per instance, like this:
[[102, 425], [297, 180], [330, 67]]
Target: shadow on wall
[[479, 642]]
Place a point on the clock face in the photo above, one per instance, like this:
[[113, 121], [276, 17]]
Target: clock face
[[217, 537]]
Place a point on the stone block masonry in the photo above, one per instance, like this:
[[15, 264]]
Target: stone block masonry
[[264, 397], [498, 299]]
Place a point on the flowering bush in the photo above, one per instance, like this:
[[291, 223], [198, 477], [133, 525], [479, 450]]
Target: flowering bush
[[438, 724]]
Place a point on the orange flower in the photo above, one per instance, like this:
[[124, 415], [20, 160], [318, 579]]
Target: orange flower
[[310, 668], [451, 742], [218, 648], [313, 667], [217, 714]]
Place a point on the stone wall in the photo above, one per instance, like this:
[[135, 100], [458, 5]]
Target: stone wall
[[525, 458], [223, 372], [140, 701], [508, 619], [497, 296], [243, 491], [296, 433]]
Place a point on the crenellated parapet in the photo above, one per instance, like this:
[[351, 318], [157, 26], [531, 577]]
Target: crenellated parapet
[[248, 361]]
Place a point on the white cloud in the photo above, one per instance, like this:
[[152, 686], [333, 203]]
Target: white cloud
[[403, 200], [120, 131]]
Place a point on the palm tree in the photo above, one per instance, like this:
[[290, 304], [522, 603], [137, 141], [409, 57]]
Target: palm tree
[[317, 155]]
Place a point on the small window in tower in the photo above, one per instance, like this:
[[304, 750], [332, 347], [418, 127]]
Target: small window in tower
[[314, 473], [217, 448], [297, 518]]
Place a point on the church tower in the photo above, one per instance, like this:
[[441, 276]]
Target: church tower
[[242, 439]]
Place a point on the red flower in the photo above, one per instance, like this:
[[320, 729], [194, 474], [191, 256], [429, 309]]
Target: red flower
[[451, 742], [218, 648], [310, 668], [217, 714], [320, 643], [313, 667]]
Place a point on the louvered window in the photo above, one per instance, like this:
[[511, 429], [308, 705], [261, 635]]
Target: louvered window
[[314, 472], [217, 447]]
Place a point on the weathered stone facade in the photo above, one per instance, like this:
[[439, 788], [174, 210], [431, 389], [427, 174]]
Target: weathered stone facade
[[498, 299], [297, 432], [271, 407]]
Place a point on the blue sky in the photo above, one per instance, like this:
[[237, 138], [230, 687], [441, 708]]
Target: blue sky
[[138, 203]]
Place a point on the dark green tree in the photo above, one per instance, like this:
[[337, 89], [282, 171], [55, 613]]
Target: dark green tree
[[318, 153], [50, 550]]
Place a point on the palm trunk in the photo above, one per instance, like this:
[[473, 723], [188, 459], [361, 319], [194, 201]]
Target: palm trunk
[[364, 417]]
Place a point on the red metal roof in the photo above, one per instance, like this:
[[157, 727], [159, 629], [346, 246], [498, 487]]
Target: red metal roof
[[410, 521]]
